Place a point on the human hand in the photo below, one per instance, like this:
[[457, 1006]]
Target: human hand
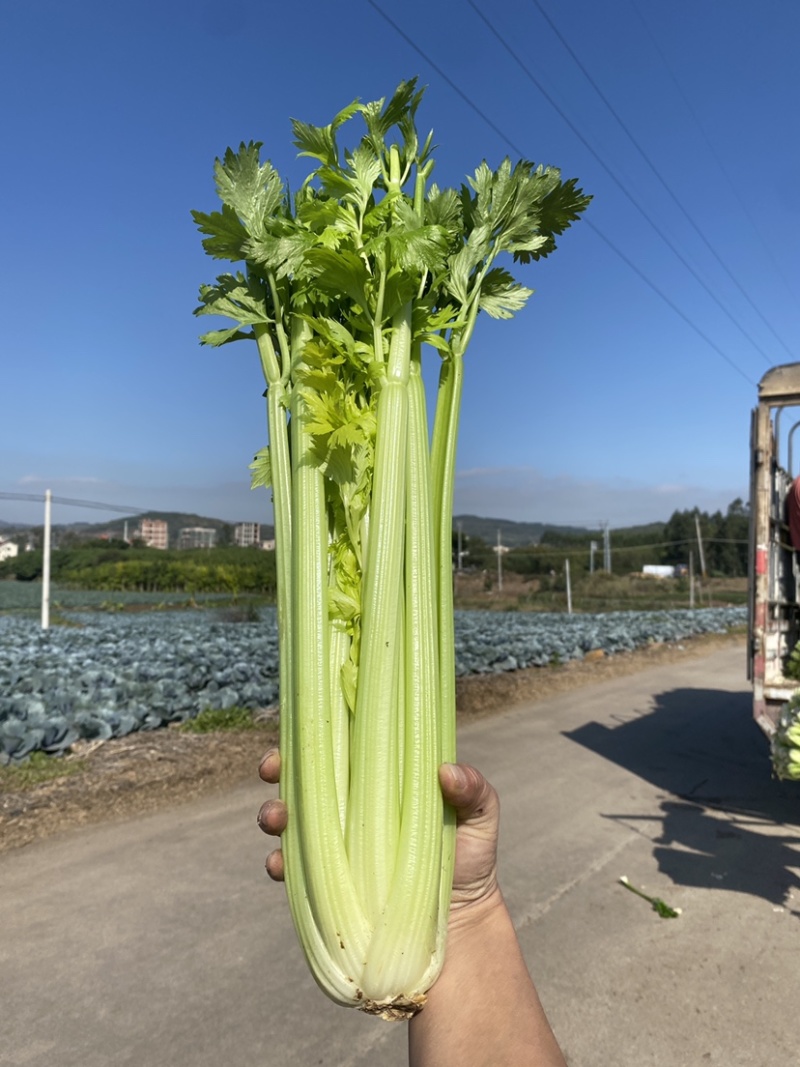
[[477, 814]]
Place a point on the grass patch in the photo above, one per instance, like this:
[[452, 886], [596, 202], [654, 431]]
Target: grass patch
[[36, 769], [595, 593], [212, 720]]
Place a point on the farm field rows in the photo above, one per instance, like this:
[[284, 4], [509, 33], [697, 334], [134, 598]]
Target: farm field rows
[[102, 675]]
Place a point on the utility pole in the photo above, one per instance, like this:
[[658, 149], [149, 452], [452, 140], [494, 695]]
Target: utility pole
[[700, 544], [606, 548], [459, 548], [569, 587], [499, 564], [46, 562], [691, 578], [592, 550]]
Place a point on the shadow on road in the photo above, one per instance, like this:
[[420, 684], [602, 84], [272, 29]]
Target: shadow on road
[[726, 823]]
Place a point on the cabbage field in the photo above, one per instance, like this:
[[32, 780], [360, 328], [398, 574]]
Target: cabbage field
[[27, 596], [106, 675]]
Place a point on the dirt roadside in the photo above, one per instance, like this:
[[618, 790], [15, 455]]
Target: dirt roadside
[[145, 772]]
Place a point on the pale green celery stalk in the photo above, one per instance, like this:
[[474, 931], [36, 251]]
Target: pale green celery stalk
[[443, 468], [400, 696], [405, 940], [280, 464], [327, 974], [373, 815], [316, 863], [443, 462], [340, 716]]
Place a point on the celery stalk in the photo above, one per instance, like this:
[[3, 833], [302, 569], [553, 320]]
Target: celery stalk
[[344, 286]]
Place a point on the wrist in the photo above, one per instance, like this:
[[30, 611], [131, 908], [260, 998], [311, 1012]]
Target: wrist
[[474, 910]]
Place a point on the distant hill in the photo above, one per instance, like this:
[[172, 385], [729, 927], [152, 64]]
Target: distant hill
[[512, 534], [175, 520], [644, 533]]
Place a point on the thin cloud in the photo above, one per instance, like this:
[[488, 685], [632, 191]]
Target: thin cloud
[[525, 494], [517, 494], [75, 479]]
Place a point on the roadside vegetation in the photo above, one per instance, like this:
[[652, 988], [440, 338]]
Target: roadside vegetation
[[214, 720], [116, 566], [591, 593], [37, 769], [117, 576]]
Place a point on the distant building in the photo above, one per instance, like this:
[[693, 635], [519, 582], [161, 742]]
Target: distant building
[[246, 534], [154, 533], [268, 546], [657, 570], [197, 537], [8, 549]]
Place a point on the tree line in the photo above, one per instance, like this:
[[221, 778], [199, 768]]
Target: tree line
[[724, 538], [120, 567]]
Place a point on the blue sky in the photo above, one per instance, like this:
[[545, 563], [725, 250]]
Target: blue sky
[[609, 398]]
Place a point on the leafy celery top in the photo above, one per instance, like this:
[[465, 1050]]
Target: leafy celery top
[[341, 286]]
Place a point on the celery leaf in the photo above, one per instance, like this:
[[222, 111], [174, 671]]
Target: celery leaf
[[226, 233], [253, 190], [500, 296], [215, 338], [262, 470]]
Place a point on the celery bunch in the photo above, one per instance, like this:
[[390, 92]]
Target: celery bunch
[[786, 741], [341, 286]]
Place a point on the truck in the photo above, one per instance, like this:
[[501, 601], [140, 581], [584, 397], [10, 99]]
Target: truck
[[774, 585]]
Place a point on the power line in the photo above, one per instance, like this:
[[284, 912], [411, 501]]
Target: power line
[[660, 177], [561, 550], [515, 148], [617, 181], [671, 303], [39, 498], [449, 81], [723, 170]]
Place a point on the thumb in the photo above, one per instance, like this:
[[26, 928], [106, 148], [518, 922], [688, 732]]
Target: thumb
[[472, 796]]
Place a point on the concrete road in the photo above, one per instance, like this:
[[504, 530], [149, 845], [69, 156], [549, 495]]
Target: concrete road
[[162, 943]]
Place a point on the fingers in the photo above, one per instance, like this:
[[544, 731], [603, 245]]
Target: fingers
[[269, 769], [478, 816], [274, 865], [465, 788], [272, 815], [474, 799], [272, 820]]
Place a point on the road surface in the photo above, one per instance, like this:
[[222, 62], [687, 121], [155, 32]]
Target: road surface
[[162, 943]]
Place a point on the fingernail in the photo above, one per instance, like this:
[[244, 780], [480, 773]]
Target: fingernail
[[458, 777]]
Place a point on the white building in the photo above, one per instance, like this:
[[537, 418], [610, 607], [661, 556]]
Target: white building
[[154, 533], [246, 534], [8, 549], [197, 537], [657, 570]]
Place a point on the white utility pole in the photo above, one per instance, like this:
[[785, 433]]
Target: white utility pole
[[691, 578], [499, 564], [569, 587], [46, 563], [700, 545], [606, 548], [592, 550]]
